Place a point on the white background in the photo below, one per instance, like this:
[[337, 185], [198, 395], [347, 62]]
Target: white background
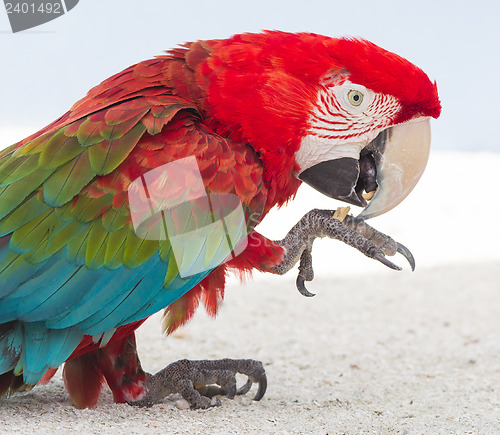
[[45, 70]]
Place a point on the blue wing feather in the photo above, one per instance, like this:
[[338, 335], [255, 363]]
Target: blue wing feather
[[68, 271]]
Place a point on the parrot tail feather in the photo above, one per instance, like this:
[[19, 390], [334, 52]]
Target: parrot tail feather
[[49, 374], [115, 364], [210, 291], [11, 376], [83, 380], [11, 383], [11, 341]]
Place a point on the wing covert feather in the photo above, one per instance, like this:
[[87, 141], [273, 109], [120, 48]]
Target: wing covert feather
[[71, 263]]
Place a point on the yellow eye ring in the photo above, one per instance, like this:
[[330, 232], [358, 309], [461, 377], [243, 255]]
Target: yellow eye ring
[[355, 97]]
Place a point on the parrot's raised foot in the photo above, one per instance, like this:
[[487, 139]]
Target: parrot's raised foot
[[406, 253], [352, 231], [383, 241], [306, 273], [199, 381]]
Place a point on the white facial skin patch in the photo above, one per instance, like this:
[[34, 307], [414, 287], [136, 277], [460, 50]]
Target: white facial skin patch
[[345, 119], [314, 150]]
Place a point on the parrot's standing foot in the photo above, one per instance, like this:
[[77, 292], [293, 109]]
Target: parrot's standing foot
[[353, 231], [194, 381]]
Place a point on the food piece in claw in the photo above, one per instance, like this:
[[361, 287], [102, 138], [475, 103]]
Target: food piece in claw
[[388, 169], [297, 244], [370, 241]]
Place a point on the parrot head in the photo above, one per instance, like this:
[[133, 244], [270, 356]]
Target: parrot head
[[345, 116]]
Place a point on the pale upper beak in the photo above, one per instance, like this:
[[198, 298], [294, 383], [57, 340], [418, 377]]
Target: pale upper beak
[[390, 165], [399, 165]]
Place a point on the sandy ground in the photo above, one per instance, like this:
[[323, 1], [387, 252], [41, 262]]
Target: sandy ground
[[376, 351]]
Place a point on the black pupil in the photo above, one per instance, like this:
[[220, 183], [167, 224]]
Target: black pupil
[[355, 97]]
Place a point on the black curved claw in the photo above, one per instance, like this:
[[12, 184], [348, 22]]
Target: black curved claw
[[262, 388], [301, 287], [245, 388], [232, 392], [405, 252], [380, 257]]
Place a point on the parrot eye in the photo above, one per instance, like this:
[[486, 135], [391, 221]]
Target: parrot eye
[[355, 97]]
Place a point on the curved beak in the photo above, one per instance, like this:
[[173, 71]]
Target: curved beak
[[400, 159], [388, 169]]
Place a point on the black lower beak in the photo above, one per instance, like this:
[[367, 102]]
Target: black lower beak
[[336, 179], [344, 179]]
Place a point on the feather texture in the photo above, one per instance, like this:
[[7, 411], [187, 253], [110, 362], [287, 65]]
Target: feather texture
[[78, 274], [72, 264]]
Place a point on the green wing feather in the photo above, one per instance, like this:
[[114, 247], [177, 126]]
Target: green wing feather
[[44, 198], [70, 260]]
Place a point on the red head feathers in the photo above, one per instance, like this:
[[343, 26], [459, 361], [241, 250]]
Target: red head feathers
[[262, 89]]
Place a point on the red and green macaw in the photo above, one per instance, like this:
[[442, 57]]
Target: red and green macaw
[[259, 114]]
